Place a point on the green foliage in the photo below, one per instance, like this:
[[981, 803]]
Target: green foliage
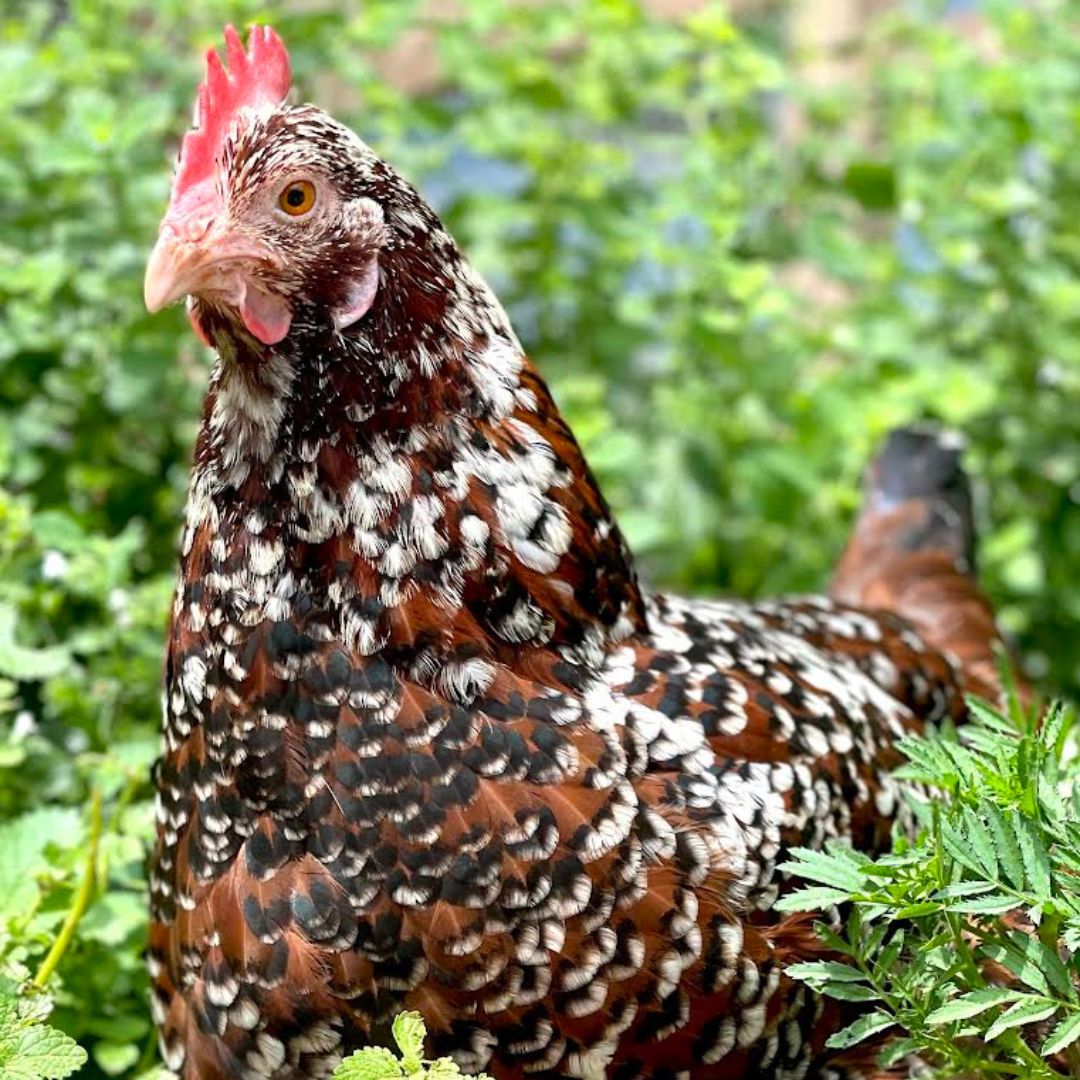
[[964, 945], [731, 317], [378, 1063], [29, 1048], [964, 290]]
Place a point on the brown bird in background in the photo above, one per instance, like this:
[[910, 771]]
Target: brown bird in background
[[428, 743]]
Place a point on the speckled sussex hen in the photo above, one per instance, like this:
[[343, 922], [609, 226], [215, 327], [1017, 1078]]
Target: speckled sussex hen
[[428, 743]]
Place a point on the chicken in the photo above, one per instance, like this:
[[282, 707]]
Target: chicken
[[428, 744]]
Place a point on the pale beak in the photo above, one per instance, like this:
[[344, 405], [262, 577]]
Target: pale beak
[[186, 262], [173, 270], [199, 252]]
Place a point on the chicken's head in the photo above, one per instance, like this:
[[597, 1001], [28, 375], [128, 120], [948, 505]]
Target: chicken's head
[[272, 216]]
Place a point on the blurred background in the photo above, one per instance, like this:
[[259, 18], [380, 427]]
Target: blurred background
[[742, 242]]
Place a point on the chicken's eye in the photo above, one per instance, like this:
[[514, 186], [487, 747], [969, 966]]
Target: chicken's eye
[[297, 198]]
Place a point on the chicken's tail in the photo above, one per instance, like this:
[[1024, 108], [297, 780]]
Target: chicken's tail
[[913, 551]]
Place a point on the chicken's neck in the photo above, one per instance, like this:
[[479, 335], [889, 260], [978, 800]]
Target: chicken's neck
[[436, 512]]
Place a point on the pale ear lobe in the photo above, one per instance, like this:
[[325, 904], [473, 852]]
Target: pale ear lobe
[[360, 295]]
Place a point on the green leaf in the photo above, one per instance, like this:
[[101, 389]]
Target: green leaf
[[981, 842], [884, 961], [985, 714], [971, 1004], [897, 1050], [443, 1069], [835, 868], [1023, 967], [850, 992], [918, 909], [22, 853], [821, 971], [371, 1063], [873, 183], [963, 889], [956, 844], [812, 899], [21, 661], [41, 1052], [1030, 951], [1036, 858], [1008, 848], [1024, 1012], [870, 1024], [409, 1034], [994, 904], [115, 1058], [1065, 1034]]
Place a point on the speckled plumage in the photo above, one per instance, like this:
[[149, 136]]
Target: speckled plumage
[[429, 745]]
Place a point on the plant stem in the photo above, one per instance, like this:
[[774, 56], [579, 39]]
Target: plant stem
[[82, 898]]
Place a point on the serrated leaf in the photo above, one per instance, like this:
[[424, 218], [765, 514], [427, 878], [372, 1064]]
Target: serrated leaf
[[1008, 849], [984, 713], [43, 1052], [982, 843], [1022, 966], [1030, 951], [870, 1024], [930, 763], [9, 1016], [994, 904], [409, 1034], [963, 889], [443, 1069], [1022, 1013], [826, 868], [956, 844], [1051, 966], [1036, 858], [914, 911], [874, 939], [1065, 1034], [812, 899], [966, 761], [822, 971], [850, 992], [971, 1004], [1051, 801], [832, 939], [897, 1050], [371, 1063], [1069, 860]]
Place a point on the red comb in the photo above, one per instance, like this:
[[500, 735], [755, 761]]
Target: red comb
[[256, 77]]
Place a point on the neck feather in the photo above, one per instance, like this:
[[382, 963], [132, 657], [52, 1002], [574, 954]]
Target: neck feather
[[428, 503]]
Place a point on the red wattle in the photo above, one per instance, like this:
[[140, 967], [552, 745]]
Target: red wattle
[[267, 316]]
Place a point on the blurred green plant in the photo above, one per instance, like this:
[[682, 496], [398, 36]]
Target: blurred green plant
[[731, 316]]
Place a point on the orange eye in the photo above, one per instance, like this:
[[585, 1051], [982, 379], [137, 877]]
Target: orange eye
[[298, 198]]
